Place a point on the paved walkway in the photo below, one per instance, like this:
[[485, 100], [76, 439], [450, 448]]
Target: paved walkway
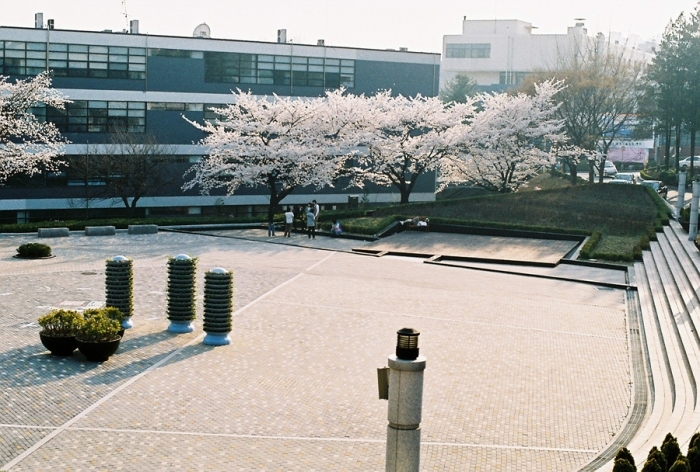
[[523, 373]]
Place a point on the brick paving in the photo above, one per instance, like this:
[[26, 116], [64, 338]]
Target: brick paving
[[523, 373]]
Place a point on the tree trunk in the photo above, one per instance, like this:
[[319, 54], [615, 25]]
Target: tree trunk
[[573, 169], [601, 169], [692, 150], [678, 143], [667, 146]]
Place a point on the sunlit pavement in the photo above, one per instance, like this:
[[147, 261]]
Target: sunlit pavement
[[522, 374]]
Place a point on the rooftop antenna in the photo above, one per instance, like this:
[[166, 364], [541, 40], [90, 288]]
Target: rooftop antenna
[[125, 14]]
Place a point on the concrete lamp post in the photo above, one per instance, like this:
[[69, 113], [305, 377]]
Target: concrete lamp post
[[181, 293], [693, 230], [680, 202], [405, 404], [119, 287], [218, 306]]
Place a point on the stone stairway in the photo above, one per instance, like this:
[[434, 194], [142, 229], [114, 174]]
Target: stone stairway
[[668, 282]]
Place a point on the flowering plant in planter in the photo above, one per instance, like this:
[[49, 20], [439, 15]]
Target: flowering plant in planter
[[98, 327], [60, 323], [98, 337], [110, 312], [58, 329]]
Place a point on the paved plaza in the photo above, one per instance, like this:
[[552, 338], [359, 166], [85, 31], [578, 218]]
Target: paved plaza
[[523, 373]]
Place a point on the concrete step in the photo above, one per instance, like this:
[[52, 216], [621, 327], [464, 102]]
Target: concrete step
[[659, 375]]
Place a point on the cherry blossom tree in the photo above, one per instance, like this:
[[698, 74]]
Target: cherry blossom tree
[[406, 137], [509, 140], [275, 142], [26, 144]]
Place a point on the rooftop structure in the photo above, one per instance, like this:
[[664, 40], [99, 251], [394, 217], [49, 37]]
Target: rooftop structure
[[498, 54]]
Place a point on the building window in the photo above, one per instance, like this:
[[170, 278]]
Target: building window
[[181, 53], [511, 78], [210, 115], [174, 106], [278, 70], [22, 58], [97, 116], [471, 51], [81, 60]]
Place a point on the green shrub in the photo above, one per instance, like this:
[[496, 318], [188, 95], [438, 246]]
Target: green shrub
[[34, 250], [623, 465], [657, 457], [694, 441], [670, 448], [680, 465], [111, 312], [60, 323], [98, 328], [587, 248], [624, 461], [694, 457]]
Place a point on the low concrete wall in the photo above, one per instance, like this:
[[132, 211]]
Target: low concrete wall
[[100, 231], [53, 232], [143, 229]]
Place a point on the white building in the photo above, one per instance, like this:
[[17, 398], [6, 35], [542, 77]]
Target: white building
[[497, 54]]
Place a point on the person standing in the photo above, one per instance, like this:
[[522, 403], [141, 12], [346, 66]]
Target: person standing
[[311, 222], [316, 209], [288, 220]]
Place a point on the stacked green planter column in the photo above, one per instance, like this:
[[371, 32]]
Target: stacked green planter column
[[181, 293], [218, 306], [119, 285]]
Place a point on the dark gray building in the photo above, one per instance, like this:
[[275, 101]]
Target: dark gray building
[[144, 85]]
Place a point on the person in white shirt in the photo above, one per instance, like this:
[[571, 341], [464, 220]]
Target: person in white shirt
[[288, 220]]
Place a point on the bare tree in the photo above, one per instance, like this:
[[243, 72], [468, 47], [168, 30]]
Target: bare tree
[[129, 168], [603, 84]]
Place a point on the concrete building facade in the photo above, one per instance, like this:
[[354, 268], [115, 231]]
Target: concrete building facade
[[498, 54], [145, 84]]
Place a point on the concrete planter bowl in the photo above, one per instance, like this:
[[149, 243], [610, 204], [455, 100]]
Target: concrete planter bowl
[[98, 351], [59, 345]]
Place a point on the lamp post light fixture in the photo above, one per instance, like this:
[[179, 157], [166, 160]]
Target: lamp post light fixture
[[407, 344], [405, 404]]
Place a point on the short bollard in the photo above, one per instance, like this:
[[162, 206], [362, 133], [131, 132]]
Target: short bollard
[[680, 202], [181, 293], [119, 285], [693, 229], [405, 404], [218, 306]]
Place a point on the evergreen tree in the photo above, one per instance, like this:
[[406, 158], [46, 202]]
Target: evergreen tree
[[670, 449], [458, 89]]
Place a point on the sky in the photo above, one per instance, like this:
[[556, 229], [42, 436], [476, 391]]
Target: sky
[[418, 25]]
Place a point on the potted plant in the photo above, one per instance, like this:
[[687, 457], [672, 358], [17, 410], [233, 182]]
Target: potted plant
[[110, 312], [98, 337], [58, 330]]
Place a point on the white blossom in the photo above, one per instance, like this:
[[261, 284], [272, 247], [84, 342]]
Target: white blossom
[[405, 138], [508, 141], [277, 143], [27, 144]]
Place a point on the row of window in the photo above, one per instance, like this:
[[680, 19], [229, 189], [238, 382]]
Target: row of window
[[461, 51], [72, 60], [511, 78], [117, 62], [278, 70], [96, 116]]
